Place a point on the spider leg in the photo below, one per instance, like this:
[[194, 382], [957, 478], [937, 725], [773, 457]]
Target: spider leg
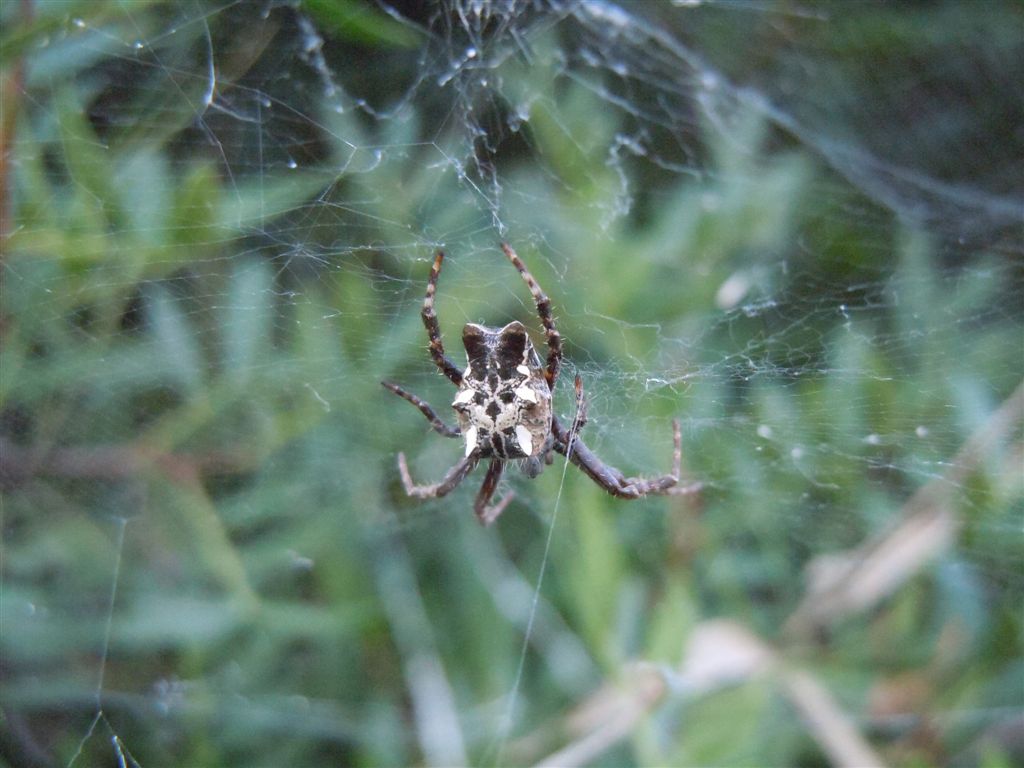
[[543, 303], [447, 484], [438, 425], [446, 366], [612, 479], [580, 419], [485, 514]]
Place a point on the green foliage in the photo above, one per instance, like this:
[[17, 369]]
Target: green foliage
[[361, 23]]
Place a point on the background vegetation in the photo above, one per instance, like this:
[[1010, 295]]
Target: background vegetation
[[207, 269]]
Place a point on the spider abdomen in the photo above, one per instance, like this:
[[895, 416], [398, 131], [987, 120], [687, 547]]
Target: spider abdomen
[[504, 401]]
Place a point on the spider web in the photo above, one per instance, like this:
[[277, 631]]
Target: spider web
[[795, 227]]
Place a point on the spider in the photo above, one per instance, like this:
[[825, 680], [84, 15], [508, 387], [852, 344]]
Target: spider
[[503, 407]]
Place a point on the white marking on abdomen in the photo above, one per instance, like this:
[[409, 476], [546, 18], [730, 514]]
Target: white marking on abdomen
[[524, 438], [526, 393]]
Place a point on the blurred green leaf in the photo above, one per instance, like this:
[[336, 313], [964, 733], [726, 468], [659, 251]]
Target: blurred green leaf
[[257, 203], [178, 344], [361, 22], [247, 320], [97, 204]]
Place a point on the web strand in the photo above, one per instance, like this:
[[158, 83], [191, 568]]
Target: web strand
[[123, 755], [508, 718]]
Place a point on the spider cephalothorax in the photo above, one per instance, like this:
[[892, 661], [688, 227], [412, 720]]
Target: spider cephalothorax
[[503, 405]]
